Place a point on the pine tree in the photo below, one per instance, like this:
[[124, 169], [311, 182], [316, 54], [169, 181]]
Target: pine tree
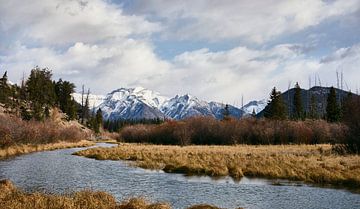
[[276, 108], [253, 114], [86, 106], [351, 118], [98, 120], [332, 108], [313, 114], [41, 93], [4, 89], [226, 112], [63, 90], [298, 106]]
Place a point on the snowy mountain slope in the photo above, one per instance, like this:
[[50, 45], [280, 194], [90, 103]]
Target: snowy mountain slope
[[132, 103], [258, 106], [181, 107], [185, 106], [138, 103], [218, 110]]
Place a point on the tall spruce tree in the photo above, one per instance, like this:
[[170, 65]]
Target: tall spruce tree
[[63, 90], [5, 92], [85, 109], [298, 112], [226, 112], [99, 120], [276, 108], [332, 108], [313, 110]]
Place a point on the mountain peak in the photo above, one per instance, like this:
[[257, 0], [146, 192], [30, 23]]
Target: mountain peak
[[139, 102]]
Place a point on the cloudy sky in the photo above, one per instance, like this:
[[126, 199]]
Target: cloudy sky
[[214, 49]]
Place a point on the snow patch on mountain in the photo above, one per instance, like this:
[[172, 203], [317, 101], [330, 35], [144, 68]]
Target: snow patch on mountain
[[258, 106]]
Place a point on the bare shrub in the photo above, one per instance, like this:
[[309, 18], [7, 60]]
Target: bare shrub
[[16, 131], [207, 130]]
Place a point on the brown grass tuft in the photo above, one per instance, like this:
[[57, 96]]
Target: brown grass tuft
[[29, 148]]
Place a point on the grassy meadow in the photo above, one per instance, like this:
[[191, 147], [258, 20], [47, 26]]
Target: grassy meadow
[[308, 163], [13, 198]]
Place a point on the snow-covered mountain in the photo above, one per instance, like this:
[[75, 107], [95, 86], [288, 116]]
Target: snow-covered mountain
[[258, 106], [132, 103], [186, 106], [138, 103]]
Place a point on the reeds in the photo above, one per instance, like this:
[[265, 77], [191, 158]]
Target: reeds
[[12, 198], [309, 163], [29, 148]]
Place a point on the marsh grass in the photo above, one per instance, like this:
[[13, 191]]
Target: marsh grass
[[29, 148], [12, 198], [308, 163]]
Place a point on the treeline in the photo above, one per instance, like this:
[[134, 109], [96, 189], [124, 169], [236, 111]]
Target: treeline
[[38, 94], [210, 131], [340, 126], [277, 109], [345, 111], [117, 125]]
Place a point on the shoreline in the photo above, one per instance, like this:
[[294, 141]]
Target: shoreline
[[21, 149], [12, 197]]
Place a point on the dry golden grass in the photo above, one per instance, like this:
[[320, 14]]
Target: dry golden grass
[[28, 148], [309, 163], [12, 198]]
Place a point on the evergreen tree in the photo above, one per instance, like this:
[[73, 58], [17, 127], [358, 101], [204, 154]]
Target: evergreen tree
[[98, 120], [226, 112], [332, 108], [86, 109], [41, 93], [298, 112], [63, 90], [313, 111], [276, 108], [351, 118], [4, 89], [253, 114]]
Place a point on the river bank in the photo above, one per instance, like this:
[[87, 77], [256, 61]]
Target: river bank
[[15, 150], [11, 197], [308, 163]]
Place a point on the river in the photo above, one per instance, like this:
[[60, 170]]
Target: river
[[58, 172]]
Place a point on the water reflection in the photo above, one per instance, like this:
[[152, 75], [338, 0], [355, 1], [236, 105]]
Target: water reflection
[[59, 171]]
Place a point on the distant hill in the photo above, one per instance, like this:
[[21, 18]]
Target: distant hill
[[320, 94]]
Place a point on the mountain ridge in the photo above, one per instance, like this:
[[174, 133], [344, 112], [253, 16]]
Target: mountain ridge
[[140, 103]]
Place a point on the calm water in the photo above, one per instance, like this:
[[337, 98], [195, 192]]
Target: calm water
[[59, 171]]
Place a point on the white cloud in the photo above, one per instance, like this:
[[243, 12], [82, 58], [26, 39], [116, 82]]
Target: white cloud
[[96, 44], [219, 76], [69, 21], [101, 67], [255, 21]]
